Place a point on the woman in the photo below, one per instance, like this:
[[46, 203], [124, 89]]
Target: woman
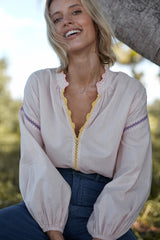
[[85, 169]]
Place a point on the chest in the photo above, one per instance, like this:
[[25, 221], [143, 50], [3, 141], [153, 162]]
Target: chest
[[80, 105]]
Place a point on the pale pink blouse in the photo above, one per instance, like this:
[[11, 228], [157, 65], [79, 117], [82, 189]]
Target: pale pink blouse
[[115, 142]]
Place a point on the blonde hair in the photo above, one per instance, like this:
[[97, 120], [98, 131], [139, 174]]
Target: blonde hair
[[105, 35]]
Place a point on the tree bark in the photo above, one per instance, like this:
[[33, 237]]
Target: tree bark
[[137, 24]]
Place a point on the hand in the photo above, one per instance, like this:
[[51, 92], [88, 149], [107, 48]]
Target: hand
[[55, 235]]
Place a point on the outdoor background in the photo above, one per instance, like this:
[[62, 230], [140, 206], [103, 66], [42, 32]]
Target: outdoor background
[[23, 49]]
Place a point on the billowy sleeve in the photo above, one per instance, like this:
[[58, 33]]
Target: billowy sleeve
[[45, 192], [121, 200]]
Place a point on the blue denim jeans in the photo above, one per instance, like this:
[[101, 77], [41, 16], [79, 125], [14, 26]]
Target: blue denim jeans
[[16, 223]]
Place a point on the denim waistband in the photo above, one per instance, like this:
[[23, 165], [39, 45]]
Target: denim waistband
[[93, 176]]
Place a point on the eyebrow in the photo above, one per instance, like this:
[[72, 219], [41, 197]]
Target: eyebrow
[[72, 6]]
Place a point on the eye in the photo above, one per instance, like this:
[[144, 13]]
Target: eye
[[76, 12], [57, 20]]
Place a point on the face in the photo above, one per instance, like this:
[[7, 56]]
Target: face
[[74, 25]]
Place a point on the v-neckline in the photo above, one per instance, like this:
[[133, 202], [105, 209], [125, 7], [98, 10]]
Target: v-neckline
[[88, 115]]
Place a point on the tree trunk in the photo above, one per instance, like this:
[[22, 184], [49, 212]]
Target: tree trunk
[[137, 24]]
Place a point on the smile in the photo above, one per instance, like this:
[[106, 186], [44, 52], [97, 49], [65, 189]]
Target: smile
[[72, 32]]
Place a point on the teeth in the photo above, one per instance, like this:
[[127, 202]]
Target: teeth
[[72, 32]]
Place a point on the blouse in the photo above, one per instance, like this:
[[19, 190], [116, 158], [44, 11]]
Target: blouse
[[115, 142]]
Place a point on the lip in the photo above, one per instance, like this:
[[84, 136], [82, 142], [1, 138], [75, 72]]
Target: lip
[[72, 29]]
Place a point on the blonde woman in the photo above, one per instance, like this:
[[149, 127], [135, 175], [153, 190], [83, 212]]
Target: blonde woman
[[85, 168]]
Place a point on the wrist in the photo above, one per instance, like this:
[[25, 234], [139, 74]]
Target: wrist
[[55, 235]]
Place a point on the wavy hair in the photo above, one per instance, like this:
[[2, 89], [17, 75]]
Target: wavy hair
[[105, 34]]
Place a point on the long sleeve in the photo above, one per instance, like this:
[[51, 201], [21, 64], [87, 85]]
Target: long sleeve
[[45, 192], [121, 201]]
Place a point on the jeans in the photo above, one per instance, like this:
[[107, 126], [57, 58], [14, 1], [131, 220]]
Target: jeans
[[16, 223]]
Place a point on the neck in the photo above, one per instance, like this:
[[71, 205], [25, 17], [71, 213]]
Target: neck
[[85, 70]]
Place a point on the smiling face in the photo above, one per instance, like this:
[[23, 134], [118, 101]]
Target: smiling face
[[74, 25]]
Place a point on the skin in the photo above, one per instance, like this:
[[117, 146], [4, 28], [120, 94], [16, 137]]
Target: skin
[[84, 69]]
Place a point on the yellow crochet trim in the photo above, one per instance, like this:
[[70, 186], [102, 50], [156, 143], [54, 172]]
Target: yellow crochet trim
[[69, 113], [73, 125]]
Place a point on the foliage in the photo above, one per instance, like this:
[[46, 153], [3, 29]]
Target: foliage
[[154, 113], [127, 56], [9, 142]]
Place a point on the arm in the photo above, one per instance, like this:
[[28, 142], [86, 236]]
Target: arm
[[47, 203], [122, 199]]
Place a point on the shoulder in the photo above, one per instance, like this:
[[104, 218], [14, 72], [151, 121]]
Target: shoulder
[[40, 79], [124, 84], [42, 75]]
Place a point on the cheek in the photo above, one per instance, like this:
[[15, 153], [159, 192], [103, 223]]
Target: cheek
[[57, 28], [90, 25], [58, 36], [58, 31]]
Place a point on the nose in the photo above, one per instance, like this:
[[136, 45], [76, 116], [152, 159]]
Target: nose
[[67, 19]]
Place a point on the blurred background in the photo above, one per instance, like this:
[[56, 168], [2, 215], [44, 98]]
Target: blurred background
[[23, 49]]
